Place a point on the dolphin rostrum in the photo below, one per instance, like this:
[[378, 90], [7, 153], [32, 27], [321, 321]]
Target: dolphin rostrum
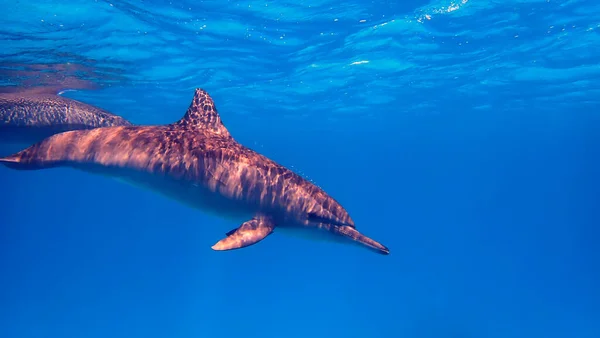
[[28, 116], [196, 161]]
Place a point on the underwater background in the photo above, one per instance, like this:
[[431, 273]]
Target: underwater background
[[463, 135]]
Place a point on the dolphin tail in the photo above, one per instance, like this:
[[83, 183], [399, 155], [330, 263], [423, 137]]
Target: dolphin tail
[[20, 161], [356, 236], [48, 153], [11, 161]]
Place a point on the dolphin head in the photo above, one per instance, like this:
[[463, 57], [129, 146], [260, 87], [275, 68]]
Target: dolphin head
[[332, 222]]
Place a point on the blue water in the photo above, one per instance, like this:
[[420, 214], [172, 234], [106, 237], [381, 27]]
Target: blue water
[[464, 135]]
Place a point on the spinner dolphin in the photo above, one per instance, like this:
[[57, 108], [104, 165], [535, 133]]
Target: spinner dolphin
[[197, 162], [28, 116]]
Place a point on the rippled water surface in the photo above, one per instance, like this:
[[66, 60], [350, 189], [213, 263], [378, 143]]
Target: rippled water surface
[[462, 134], [316, 56]]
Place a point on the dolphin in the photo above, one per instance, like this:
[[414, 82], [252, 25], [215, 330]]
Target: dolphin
[[197, 162], [28, 116]]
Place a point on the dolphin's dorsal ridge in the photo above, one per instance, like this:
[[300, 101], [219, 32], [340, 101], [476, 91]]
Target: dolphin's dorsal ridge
[[202, 114]]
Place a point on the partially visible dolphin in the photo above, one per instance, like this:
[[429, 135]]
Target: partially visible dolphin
[[28, 116], [196, 161]]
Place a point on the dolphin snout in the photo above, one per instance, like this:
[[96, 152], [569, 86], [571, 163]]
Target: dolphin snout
[[362, 239]]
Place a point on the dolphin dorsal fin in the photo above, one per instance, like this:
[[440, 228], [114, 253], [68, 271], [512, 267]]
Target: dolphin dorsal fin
[[202, 114]]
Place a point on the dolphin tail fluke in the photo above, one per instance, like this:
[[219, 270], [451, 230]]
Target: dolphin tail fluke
[[250, 232], [362, 239]]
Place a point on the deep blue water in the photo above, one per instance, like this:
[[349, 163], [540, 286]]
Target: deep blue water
[[463, 135]]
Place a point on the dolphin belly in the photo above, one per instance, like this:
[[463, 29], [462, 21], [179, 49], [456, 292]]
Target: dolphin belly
[[190, 193]]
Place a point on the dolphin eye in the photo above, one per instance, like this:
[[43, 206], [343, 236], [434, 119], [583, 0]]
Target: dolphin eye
[[313, 217]]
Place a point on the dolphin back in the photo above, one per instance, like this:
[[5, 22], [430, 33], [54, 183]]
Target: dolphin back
[[53, 111]]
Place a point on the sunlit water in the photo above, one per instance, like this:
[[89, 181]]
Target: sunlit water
[[463, 135]]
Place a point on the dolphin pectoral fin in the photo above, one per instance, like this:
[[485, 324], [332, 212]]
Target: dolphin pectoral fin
[[250, 232]]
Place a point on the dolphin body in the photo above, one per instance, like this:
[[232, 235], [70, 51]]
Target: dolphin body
[[30, 115], [196, 161]]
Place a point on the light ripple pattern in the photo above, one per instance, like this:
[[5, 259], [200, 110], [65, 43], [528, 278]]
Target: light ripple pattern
[[321, 54]]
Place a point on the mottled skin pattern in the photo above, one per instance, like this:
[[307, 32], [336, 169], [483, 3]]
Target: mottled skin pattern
[[195, 160], [29, 117]]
